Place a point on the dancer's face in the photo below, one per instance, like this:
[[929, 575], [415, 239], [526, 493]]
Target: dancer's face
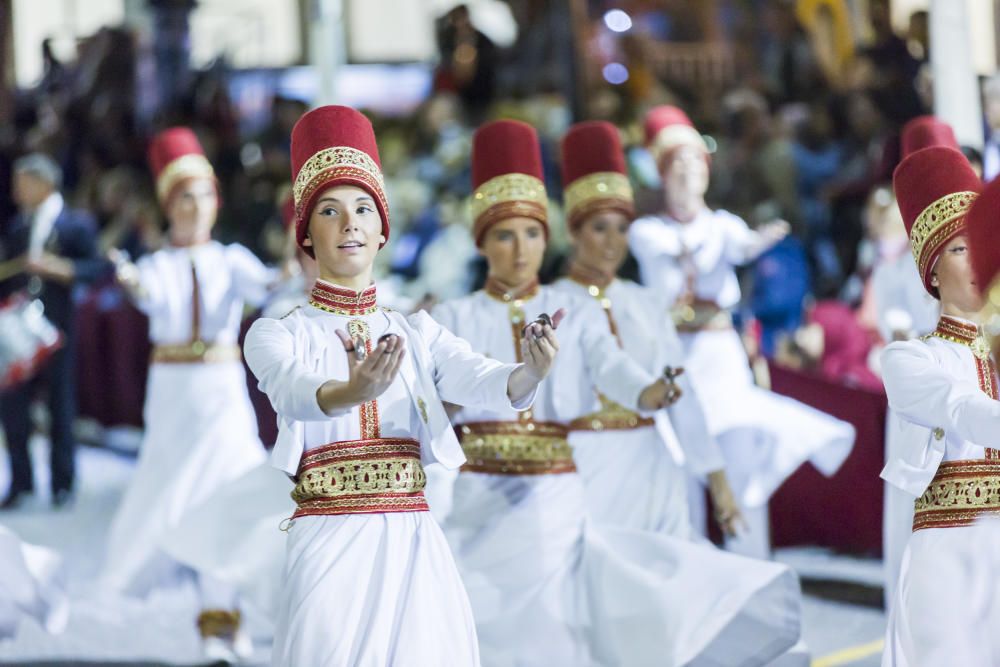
[[514, 249], [345, 232], [955, 280], [601, 241], [192, 211]]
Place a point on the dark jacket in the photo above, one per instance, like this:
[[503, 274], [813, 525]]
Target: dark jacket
[[74, 237]]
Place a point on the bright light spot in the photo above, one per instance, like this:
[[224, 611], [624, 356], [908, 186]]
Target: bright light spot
[[617, 20], [615, 73]]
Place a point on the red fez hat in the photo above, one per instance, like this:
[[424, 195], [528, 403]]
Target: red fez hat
[[332, 146], [924, 132], [507, 177], [175, 155], [982, 224], [934, 187], [594, 172], [667, 128]]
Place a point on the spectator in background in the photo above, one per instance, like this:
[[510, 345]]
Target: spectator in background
[[991, 109], [57, 246], [468, 61]]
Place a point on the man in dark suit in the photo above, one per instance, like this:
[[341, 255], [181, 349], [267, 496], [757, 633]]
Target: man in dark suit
[[58, 249]]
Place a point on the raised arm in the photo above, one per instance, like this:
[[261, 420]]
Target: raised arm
[[921, 392]]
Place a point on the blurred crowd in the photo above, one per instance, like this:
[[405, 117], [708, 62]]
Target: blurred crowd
[[804, 121]]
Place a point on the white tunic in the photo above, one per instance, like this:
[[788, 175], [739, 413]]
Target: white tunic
[[943, 415], [548, 587], [371, 589], [640, 483], [764, 437], [200, 427]]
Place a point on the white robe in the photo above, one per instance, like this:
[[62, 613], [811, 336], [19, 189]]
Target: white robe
[[550, 587], [200, 429], [903, 305], [764, 437], [932, 384], [371, 589], [31, 586], [641, 481]]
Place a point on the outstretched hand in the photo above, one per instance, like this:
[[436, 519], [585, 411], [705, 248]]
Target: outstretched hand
[[371, 374], [539, 344]]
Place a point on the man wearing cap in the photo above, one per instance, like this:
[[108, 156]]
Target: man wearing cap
[[548, 586], [56, 248], [200, 430], [943, 390], [689, 254]]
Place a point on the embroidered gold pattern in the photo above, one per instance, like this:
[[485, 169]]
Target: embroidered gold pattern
[[673, 136], [343, 160], [197, 352], [507, 189], [342, 301], [961, 492], [186, 166], [608, 188], [516, 448], [368, 412], [610, 417], [361, 476], [935, 225]]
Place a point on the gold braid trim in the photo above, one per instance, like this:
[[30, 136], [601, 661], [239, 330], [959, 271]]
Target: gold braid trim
[[516, 448], [508, 195], [360, 477], [337, 162], [610, 417], [673, 136], [960, 493], [593, 192], [935, 226], [186, 166], [219, 623]]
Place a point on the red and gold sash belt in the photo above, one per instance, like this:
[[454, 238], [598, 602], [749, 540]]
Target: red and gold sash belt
[[197, 352], [960, 493], [373, 476], [516, 448], [700, 315], [610, 417]]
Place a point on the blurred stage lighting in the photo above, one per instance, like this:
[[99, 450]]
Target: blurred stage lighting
[[617, 20], [615, 73]]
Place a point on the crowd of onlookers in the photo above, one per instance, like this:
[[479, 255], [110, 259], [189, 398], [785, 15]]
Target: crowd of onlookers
[[797, 136]]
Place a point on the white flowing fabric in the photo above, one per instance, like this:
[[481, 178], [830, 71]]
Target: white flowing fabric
[[549, 587], [31, 585], [946, 585], [640, 482], [371, 589], [200, 432], [764, 437]]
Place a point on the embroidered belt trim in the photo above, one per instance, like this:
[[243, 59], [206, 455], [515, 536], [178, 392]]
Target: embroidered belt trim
[[516, 448], [611, 417], [701, 316], [361, 477], [960, 493], [197, 352]]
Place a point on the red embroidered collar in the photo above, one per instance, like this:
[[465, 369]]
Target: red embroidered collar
[[588, 276], [342, 301]]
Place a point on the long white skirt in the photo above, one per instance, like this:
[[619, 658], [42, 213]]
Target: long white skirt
[[631, 481], [766, 436], [550, 588], [947, 605], [367, 590], [200, 434], [31, 585], [235, 537]]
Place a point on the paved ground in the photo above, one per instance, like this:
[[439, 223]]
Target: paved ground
[[843, 622]]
